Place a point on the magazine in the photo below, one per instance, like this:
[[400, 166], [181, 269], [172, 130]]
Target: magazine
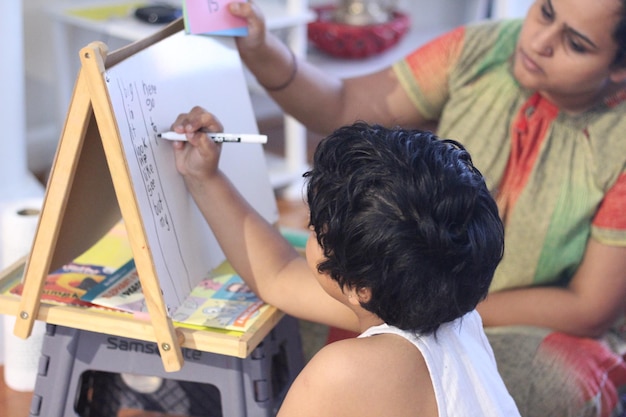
[[120, 290], [69, 283], [221, 301], [105, 276]]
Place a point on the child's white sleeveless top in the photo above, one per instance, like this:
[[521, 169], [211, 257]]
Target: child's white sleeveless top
[[462, 368]]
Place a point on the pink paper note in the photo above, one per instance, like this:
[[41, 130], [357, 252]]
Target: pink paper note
[[212, 17]]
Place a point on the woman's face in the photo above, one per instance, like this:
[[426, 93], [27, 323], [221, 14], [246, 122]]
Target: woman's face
[[566, 48]]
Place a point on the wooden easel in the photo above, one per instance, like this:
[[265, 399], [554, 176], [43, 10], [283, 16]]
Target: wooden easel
[[77, 212]]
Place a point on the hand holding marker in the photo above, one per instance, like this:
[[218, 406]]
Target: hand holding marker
[[219, 137]]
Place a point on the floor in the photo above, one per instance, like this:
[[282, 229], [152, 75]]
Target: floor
[[13, 403]]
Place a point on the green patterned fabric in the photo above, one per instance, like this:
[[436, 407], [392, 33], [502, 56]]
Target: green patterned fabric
[[463, 80]]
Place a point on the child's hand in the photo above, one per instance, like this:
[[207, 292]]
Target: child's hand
[[198, 157], [256, 25]]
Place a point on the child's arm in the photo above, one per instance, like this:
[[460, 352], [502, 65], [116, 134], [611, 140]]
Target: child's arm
[[258, 252]]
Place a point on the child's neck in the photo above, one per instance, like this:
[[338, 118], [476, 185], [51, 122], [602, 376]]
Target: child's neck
[[367, 320]]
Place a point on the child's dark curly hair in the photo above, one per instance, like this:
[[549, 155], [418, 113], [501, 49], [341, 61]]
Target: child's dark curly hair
[[408, 216]]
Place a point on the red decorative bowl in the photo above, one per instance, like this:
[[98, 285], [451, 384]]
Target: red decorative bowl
[[352, 41]]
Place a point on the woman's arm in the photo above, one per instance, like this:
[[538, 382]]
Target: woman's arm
[[587, 307], [318, 100], [258, 252]]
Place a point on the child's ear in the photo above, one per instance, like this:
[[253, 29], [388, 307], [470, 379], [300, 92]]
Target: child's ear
[[356, 296]]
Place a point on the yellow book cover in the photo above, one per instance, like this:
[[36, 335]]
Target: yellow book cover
[[70, 282]]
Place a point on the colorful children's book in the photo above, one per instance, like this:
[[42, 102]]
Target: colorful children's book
[[223, 302], [120, 290], [211, 17], [70, 282]]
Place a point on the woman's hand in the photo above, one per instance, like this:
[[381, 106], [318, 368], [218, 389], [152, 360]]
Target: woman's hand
[[197, 159], [256, 26]]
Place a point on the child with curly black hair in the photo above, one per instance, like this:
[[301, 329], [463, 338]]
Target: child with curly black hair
[[404, 241]]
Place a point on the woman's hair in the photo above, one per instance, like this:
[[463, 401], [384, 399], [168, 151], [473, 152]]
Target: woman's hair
[[619, 35], [409, 217]]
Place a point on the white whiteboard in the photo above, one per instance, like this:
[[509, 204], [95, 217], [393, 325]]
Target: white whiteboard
[[148, 91]]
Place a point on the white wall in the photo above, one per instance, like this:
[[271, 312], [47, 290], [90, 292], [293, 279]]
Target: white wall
[[43, 126], [15, 179]]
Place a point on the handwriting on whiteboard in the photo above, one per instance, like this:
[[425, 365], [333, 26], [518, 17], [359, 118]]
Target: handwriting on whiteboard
[[140, 98]]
